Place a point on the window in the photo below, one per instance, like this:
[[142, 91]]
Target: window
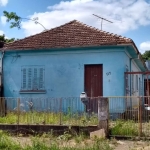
[[137, 82], [32, 79], [132, 83], [126, 81]]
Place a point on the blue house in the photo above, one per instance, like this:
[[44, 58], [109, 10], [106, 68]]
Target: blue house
[[67, 60]]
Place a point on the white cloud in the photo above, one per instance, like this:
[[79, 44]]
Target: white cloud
[[126, 15], [144, 46], [1, 32], [3, 2], [3, 20]]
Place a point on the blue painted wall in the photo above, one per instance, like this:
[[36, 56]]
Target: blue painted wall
[[138, 87], [64, 71]]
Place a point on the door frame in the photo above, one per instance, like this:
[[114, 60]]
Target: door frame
[[102, 75]]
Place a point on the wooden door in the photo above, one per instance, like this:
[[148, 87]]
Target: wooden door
[[93, 85]]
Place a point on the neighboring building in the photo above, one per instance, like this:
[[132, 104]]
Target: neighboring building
[[148, 64], [70, 59], [147, 82]]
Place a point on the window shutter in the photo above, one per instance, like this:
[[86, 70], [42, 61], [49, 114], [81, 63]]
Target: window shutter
[[29, 78], [41, 78], [127, 81], [35, 79], [137, 85], [24, 79]]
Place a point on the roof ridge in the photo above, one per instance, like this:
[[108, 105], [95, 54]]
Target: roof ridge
[[97, 29], [69, 34], [91, 27]]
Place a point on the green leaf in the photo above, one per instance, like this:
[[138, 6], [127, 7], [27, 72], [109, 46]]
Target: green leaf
[[14, 18]]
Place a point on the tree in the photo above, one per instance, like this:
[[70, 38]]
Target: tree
[[146, 55], [16, 20], [5, 40], [9, 17], [13, 16]]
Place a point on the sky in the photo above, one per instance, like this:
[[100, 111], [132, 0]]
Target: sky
[[131, 18]]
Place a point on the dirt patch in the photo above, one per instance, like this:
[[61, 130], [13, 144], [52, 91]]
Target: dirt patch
[[132, 145]]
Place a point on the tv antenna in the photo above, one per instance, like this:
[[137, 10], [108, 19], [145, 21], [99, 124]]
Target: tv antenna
[[102, 20]]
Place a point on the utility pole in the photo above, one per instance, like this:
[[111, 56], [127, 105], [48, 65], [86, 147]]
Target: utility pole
[[102, 20]]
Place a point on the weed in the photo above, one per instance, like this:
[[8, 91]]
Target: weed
[[79, 138], [125, 128], [66, 136], [42, 143], [6, 143], [36, 117]]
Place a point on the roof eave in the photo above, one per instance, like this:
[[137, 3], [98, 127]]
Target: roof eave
[[137, 52]]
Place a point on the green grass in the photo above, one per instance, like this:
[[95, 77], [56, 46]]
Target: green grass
[[124, 128], [119, 127], [7, 142], [49, 118]]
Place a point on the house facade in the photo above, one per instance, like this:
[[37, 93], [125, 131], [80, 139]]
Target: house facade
[[70, 59]]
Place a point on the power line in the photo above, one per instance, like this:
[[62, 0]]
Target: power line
[[102, 20]]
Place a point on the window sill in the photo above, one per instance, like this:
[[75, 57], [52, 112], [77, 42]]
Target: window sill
[[32, 91]]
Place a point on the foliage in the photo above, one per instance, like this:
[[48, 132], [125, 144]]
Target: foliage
[[125, 128], [101, 144], [13, 16], [5, 40], [15, 20], [40, 143], [6, 143], [49, 118], [146, 55]]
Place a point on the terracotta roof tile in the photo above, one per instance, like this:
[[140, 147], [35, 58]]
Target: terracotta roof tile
[[72, 34]]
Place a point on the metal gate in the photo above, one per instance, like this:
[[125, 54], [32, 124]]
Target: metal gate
[[129, 116]]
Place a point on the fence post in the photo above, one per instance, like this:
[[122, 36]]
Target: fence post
[[60, 111], [140, 116], [2, 107], [3, 103], [103, 113], [18, 110]]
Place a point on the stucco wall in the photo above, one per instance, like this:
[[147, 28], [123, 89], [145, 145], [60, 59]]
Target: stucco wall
[[133, 89], [64, 72]]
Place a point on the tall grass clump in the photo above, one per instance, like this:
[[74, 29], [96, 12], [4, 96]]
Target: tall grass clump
[[124, 128], [99, 144], [36, 117], [6, 143]]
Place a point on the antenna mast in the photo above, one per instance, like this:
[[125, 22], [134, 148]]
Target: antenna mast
[[102, 20]]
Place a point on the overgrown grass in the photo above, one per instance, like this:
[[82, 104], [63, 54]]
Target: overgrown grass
[[6, 143], [119, 127], [49, 118], [52, 143], [124, 128]]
